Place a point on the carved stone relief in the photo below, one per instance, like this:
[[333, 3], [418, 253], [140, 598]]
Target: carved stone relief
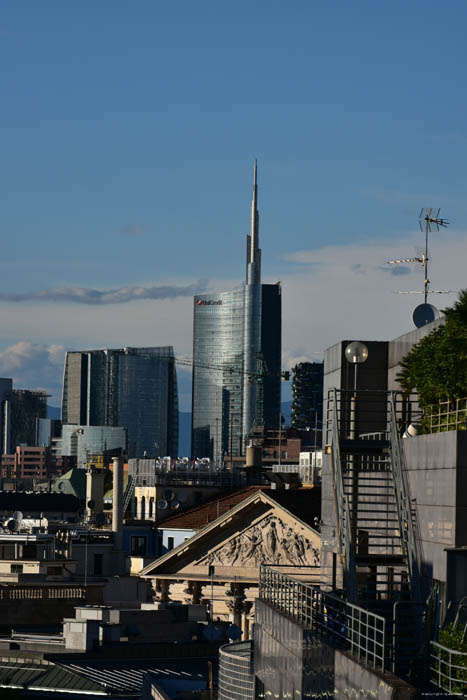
[[270, 541]]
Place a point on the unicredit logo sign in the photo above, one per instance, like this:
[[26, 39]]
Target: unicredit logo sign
[[202, 302]]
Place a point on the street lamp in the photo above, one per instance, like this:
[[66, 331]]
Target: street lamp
[[355, 353]]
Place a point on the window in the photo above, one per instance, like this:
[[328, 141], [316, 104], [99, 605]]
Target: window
[[98, 558], [170, 543], [16, 568], [138, 546], [29, 551]]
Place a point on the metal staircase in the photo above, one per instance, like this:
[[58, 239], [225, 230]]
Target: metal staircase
[[376, 532], [129, 492]]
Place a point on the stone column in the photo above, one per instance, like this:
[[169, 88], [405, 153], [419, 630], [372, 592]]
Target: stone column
[[164, 596], [235, 602], [246, 609], [196, 592]]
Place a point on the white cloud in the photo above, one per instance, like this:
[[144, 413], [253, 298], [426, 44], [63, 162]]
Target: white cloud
[[329, 294], [34, 366], [94, 297], [342, 292]]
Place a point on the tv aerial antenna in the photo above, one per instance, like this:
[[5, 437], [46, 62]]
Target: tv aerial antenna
[[429, 220]]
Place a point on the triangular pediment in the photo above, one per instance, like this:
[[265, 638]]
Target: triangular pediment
[[270, 540], [257, 531]]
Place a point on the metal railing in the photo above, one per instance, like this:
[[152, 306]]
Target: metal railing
[[445, 415], [403, 501], [129, 492], [341, 503], [346, 625], [236, 675], [391, 415], [448, 669]]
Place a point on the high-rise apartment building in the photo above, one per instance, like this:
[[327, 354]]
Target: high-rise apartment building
[[20, 412], [307, 391], [236, 336], [132, 388]]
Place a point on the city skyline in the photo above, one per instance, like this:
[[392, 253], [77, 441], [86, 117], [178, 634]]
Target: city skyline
[[127, 155]]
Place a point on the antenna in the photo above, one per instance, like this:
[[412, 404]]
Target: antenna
[[428, 220]]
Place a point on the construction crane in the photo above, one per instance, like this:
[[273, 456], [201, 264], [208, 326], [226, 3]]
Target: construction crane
[[261, 368]]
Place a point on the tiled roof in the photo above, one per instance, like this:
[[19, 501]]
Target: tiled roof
[[304, 503], [199, 516]]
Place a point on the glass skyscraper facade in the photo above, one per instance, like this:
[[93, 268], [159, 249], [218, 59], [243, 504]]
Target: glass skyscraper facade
[[132, 388], [233, 332], [217, 374]]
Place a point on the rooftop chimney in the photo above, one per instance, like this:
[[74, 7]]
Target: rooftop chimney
[[117, 502]]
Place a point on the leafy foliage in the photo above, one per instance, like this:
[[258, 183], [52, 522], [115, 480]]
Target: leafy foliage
[[437, 366], [453, 665]]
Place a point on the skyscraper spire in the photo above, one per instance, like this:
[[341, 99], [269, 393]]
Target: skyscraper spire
[[254, 225], [252, 317]]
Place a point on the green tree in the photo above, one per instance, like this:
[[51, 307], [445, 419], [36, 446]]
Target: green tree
[[437, 366]]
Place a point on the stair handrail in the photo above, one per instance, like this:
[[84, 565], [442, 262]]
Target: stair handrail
[[403, 501], [341, 505], [129, 491]]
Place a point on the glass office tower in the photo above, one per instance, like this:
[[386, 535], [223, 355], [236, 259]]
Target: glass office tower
[[232, 333], [217, 374], [132, 388]]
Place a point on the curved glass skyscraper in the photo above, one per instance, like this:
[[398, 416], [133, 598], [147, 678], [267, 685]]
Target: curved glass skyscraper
[[233, 333]]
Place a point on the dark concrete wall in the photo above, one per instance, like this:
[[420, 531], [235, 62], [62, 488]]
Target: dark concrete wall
[[372, 374]]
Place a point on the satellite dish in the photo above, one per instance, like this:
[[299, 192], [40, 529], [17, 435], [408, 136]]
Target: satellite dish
[[91, 504], [169, 495], [423, 314], [175, 505], [212, 633], [233, 632], [61, 485], [100, 519], [12, 525], [162, 504]]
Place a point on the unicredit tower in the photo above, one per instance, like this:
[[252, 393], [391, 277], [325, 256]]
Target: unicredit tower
[[236, 337]]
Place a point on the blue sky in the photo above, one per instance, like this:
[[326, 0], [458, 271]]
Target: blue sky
[[128, 135]]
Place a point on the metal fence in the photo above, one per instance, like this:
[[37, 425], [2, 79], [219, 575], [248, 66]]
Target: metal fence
[[445, 415], [349, 626], [236, 677], [448, 669]]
